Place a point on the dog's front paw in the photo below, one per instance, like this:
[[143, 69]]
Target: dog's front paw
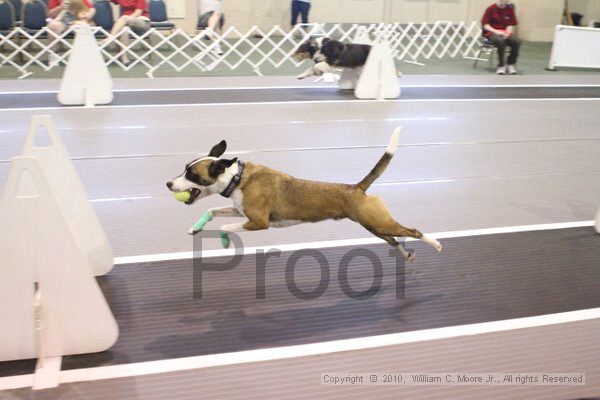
[[411, 256], [199, 225], [305, 74], [225, 239]]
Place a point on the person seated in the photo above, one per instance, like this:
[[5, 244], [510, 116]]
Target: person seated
[[211, 18], [134, 14], [499, 21], [65, 13]]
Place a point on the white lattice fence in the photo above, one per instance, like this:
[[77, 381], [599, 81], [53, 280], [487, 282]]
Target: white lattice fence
[[254, 48]]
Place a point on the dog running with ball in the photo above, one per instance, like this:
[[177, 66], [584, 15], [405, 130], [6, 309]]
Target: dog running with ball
[[271, 199]]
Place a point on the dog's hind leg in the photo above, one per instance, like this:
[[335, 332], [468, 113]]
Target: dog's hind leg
[[397, 230], [408, 255], [374, 216]]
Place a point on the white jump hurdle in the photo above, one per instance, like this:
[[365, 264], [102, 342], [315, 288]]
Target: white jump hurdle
[[379, 77], [86, 80], [70, 194], [51, 246], [598, 221], [575, 47]]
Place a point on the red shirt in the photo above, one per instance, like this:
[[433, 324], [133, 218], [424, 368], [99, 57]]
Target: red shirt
[[129, 6], [56, 3], [499, 18]]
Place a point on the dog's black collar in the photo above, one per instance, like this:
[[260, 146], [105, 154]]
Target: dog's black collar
[[235, 181]]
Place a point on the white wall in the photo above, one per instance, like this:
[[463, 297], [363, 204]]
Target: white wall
[[537, 17], [537, 20]]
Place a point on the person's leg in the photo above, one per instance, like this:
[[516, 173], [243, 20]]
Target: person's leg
[[139, 26], [214, 23], [214, 29], [56, 28], [295, 12], [203, 21], [124, 39], [119, 26], [500, 43], [304, 10], [514, 45]]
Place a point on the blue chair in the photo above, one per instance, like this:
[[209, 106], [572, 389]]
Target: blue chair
[[7, 17], [104, 15], [158, 16], [18, 5], [487, 47], [34, 14]]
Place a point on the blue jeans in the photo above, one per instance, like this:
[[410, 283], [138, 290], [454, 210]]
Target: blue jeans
[[300, 7]]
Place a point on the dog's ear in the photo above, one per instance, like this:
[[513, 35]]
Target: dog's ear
[[218, 149], [216, 168]]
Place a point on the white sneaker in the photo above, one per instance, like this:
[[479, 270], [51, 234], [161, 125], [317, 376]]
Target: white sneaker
[[511, 70], [218, 50], [53, 60], [501, 71]]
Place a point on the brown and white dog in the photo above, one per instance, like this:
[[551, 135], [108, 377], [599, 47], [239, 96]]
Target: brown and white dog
[[272, 199]]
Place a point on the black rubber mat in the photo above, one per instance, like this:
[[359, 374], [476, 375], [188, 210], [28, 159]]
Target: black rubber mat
[[40, 100], [475, 279]]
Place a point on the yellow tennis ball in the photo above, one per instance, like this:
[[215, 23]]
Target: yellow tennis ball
[[183, 196]]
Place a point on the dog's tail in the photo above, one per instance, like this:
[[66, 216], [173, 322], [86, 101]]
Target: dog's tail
[[383, 162]]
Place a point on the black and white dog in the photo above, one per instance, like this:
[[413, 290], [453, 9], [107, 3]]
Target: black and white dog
[[329, 54]]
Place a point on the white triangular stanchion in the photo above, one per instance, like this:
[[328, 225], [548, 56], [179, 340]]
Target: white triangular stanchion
[[379, 78], [79, 215], [86, 80], [45, 274]]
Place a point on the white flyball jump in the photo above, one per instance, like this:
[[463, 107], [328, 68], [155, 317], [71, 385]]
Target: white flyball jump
[[70, 194], [86, 80], [575, 47], [50, 302], [379, 78], [598, 221]]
